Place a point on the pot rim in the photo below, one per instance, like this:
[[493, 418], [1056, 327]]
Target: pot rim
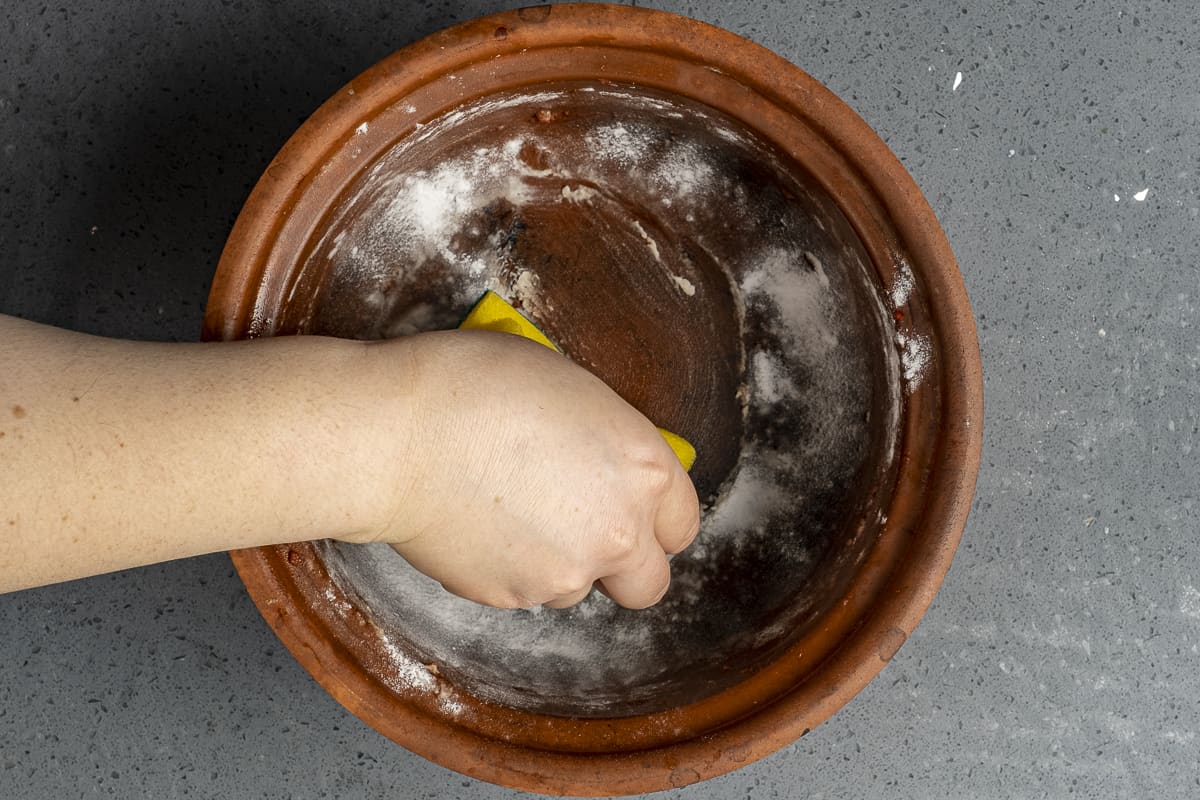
[[907, 576]]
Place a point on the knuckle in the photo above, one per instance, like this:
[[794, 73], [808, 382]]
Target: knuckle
[[657, 477], [652, 469], [623, 544]]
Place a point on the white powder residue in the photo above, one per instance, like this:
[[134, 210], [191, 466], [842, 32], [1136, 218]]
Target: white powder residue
[[449, 704], [755, 495], [902, 285], [620, 144], [685, 173], [407, 673], [802, 376], [686, 286], [915, 350], [435, 215], [798, 287], [526, 290], [361, 129], [437, 201], [649, 240], [772, 381], [545, 641], [425, 211], [578, 194], [337, 245], [642, 102], [342, 605]]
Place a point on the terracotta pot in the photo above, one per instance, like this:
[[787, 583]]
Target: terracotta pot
[[732, 249]]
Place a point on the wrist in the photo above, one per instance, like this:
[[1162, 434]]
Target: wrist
[[334, 449], [362, 415]]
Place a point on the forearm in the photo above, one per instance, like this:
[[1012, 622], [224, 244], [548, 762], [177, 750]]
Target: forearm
[[115, 454]]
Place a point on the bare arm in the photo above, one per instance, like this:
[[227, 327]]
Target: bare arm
[[115, 454], [521, 485]]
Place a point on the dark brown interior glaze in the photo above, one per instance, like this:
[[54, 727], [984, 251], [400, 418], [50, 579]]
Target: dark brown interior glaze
[[729, 247], [679, 257]]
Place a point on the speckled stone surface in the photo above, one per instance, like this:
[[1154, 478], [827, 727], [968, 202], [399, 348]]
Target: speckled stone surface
[[1060, 657]]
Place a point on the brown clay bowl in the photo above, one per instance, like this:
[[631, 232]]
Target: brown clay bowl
[[732, 249]]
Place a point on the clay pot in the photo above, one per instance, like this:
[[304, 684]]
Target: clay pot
[[731, 248]]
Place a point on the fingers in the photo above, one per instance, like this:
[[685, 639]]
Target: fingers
[[678, 518], [646, 579]]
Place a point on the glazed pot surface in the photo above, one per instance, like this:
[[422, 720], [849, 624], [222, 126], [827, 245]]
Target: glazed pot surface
[[726, 245], [667, 249]]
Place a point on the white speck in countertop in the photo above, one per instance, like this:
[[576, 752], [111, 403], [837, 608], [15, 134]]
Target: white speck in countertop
[[1189, 602], [1012, 153], [957, 81], [1102, 333], [1116, 198], [1141, 196]]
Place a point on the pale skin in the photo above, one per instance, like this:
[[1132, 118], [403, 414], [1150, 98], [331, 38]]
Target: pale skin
[[497, 467]]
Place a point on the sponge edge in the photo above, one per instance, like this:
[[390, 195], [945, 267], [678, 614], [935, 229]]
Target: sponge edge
[[493, 313], [682, 447]]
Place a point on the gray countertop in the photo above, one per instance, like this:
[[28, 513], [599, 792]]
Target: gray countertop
[[1061, 656]]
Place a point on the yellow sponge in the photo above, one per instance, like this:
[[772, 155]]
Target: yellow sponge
[[684, 450], [493, 313]]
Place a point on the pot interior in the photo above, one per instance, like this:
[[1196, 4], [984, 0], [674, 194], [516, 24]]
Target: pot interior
[[708, 279]]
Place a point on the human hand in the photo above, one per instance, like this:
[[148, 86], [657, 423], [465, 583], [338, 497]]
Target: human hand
[[493, 464], [524, 479]]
